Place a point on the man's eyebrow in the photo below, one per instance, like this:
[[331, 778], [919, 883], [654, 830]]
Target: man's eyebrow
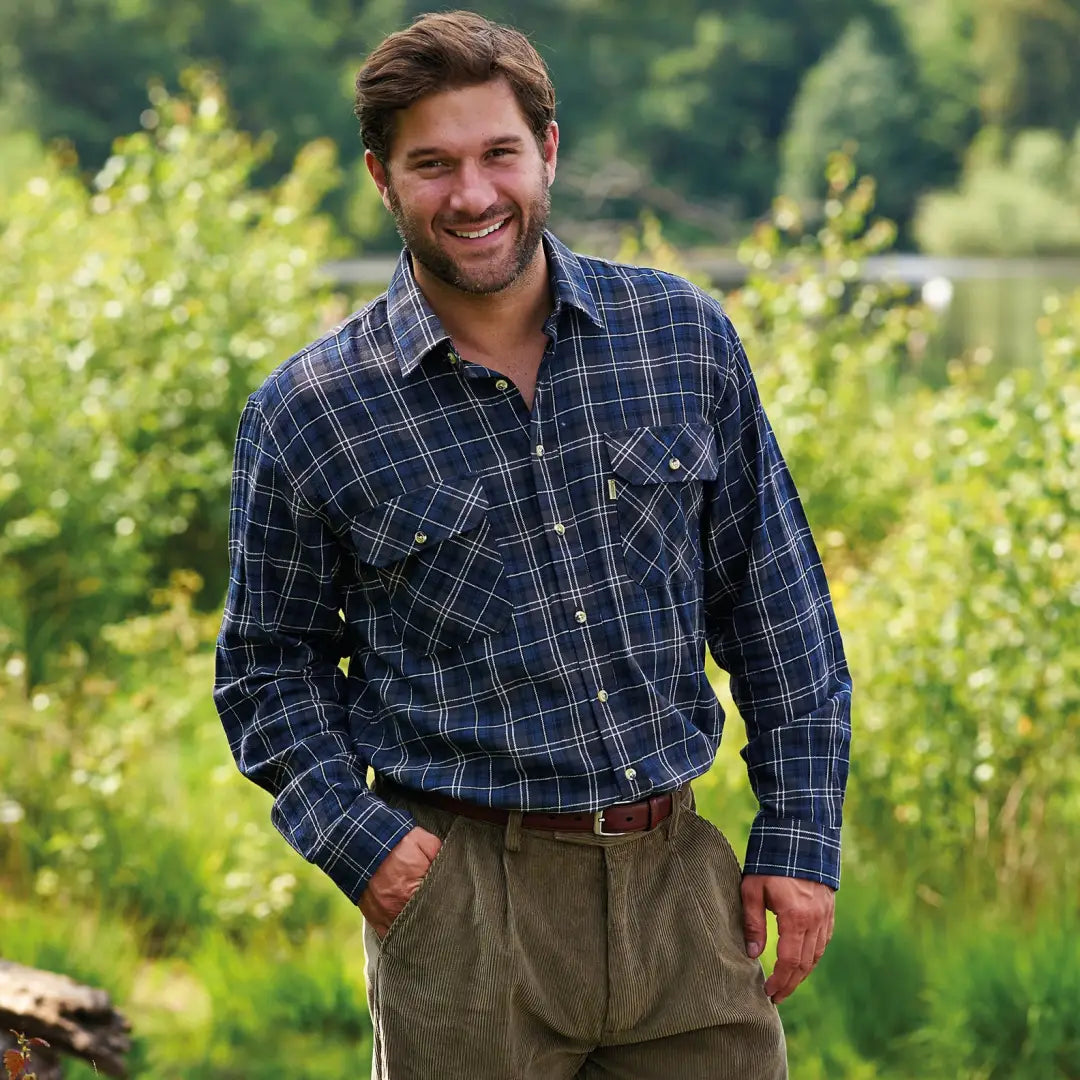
[[505, 140], [436, 151]]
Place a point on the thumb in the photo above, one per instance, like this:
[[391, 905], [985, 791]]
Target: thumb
[[754, 926], [428, 843]]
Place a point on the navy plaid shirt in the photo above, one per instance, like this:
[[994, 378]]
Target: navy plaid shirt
[[524, 597]]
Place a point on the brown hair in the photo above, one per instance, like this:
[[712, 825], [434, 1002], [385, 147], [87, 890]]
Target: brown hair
[[448, 51]]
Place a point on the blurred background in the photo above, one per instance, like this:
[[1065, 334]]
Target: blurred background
[[885, 196]]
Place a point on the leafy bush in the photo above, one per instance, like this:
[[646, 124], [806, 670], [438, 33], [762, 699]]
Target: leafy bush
[[134, 320], [968, 655], [833, 356], [120, 792]]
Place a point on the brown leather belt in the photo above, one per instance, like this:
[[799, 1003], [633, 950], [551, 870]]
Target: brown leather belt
[[611, 821]]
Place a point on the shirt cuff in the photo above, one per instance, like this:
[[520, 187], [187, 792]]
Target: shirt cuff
[[352, 847], [790, 847]]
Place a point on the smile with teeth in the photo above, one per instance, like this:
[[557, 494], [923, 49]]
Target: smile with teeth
[[479, 232]]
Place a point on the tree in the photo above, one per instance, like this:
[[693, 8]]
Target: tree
[[863, 100], [1027, 51]]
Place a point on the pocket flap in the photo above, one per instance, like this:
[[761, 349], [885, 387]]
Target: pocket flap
[[664, 455], [417, 520]]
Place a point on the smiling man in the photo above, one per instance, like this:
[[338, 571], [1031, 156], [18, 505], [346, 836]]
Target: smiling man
[[521, 491]]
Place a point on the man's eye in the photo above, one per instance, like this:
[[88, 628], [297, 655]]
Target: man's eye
[[434, 163]]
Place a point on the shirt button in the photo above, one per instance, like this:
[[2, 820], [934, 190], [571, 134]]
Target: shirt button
[[501, 384], [560, 528], [539, 451], [420, 538], [454, 358], [674, 464], [580, 616], [630, 773], [602, 696]]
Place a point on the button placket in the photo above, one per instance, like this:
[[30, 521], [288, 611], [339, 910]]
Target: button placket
[[546, 463]]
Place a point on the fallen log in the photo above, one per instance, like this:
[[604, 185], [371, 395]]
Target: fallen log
[[72, 1018]]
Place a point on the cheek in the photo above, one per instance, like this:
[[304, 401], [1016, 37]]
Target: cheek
[[423, 205]]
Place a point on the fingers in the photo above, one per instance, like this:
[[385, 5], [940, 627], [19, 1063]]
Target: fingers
[[428, 843], [755, 930], [793, 960], [824, 934], [804, 922]]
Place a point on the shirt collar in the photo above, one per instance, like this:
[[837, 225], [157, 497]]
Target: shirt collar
[[416, 328]]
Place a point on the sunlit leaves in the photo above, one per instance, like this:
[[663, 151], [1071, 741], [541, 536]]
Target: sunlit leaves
[[135, 317]]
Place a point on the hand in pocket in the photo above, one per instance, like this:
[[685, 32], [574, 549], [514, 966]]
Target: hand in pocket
[[398, 877]]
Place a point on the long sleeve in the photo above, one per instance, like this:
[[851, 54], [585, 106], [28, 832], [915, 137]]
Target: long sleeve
[[279, 690], [770, 625]]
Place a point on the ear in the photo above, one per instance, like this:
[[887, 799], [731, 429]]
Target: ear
[[380, 176], [550, 151]]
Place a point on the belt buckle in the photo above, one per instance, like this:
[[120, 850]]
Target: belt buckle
[[598, 825]]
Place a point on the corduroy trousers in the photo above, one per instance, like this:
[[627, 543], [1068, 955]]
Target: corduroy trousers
[[537, 955]]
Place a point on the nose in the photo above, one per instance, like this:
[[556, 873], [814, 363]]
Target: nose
[[473, 193]]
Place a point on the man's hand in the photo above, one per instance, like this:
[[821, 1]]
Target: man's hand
[[397, 878], [804, 920]]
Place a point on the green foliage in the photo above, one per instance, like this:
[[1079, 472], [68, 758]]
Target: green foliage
[[940, 34], [134, 320], [696, 95], [865, 102], [79, 68], [275, 1003], [833, 355], [867, 999], [1023, 201], [114, 785], [1026, 51], [1004, 1001], [970, 685], [21, 157]]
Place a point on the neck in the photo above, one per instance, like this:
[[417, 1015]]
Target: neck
[[473, 319]]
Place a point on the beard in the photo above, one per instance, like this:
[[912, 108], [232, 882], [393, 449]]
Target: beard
[[482, 279]]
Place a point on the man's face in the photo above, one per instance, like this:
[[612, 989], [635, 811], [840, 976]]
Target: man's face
[[468, 186]]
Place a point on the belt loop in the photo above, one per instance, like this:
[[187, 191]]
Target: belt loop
[[512, 838], [680, 800]]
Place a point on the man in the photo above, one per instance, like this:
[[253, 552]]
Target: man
[[521, 491]]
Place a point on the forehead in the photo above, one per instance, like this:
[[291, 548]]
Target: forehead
[[459, 119]]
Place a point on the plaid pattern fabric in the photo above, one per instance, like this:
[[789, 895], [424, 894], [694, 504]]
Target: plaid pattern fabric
[[524, 597]]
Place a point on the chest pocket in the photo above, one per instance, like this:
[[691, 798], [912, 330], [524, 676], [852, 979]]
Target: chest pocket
[[435, 556], [657, 485]]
